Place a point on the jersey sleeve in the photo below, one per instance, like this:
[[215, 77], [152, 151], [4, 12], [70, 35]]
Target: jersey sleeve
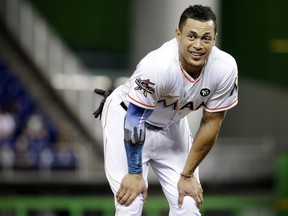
[[226, 94], [145, 86]]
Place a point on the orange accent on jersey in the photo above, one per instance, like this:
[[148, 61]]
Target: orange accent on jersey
[[188, 78], [146, 105], [219, 108]]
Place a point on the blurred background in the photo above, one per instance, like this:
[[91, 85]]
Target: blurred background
[[54, 53]]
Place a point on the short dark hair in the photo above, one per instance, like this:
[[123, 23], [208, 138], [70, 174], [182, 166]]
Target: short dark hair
[[198, 12]]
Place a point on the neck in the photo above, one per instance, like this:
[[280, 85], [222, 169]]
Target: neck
[[193, 71]]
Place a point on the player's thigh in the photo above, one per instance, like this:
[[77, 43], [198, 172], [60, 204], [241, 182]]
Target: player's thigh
[[114, 152], [115, 156], [169, 163], [173, 146]]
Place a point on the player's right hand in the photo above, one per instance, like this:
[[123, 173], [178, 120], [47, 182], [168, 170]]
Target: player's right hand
[[131, 186]]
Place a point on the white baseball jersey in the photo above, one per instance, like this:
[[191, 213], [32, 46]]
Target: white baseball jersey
[[160, 83]]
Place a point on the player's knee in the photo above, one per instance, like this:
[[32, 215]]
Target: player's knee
[[188, 208], [135, 209]]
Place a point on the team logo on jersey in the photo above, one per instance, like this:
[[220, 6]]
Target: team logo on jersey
[[204, 92], [144, 86], [170, 102]]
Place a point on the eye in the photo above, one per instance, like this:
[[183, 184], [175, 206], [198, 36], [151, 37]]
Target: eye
[[206, 39], [191, 37]]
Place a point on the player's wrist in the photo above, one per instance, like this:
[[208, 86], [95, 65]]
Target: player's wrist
[[186, 176], [137, 175], [135, 171]]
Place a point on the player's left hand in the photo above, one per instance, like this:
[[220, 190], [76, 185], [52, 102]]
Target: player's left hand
[[131, 186], [190, 187]]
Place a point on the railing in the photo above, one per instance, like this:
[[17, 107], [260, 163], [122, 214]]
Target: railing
[[240, 159]]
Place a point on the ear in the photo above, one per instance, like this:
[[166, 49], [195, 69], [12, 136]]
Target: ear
[[178, 34], [215, 39]]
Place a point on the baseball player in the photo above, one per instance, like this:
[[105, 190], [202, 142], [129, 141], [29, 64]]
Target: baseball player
[[144, 121]]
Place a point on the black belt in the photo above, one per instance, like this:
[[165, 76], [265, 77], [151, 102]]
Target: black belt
[[150, 126], [153, 127]]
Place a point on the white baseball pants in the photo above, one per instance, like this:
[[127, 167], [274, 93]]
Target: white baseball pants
[[165, 151]]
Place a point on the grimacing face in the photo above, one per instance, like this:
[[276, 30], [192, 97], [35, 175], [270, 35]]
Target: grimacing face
[[195, 44]]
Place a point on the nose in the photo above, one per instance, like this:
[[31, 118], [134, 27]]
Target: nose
[[197, 43]]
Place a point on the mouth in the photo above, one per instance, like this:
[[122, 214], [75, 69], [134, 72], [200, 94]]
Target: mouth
[[196, 55]]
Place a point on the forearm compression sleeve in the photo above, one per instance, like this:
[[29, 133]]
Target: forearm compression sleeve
[[134, 136]]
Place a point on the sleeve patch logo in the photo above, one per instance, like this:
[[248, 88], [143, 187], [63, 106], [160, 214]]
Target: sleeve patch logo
[[204, 92], [144, 86]]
